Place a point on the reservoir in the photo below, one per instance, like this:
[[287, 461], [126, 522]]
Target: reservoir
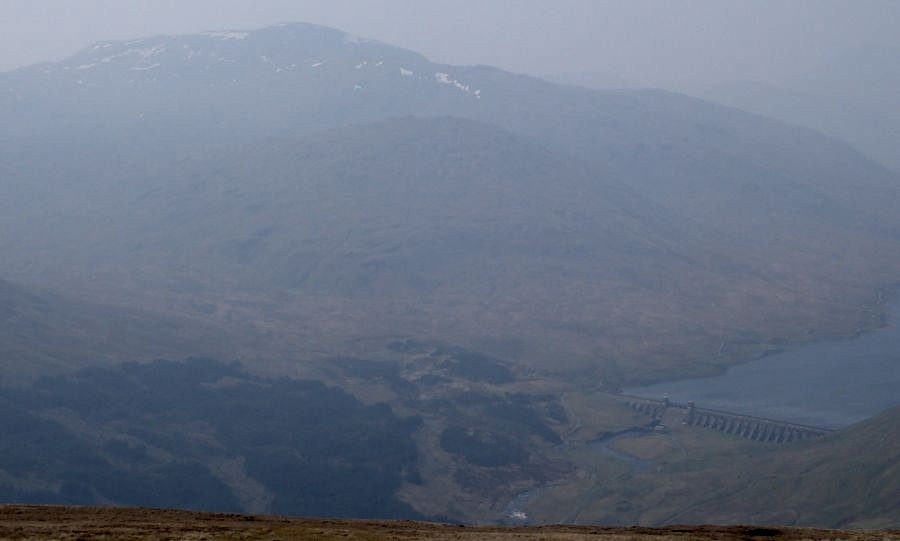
[[829, 384]]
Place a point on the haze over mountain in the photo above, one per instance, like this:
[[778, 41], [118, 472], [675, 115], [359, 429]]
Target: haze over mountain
[[597, 208], [436, 279], [852, 97]]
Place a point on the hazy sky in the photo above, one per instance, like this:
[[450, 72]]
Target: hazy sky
[[642, 41]]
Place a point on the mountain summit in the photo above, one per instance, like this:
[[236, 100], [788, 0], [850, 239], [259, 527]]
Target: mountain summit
[[288, 53]]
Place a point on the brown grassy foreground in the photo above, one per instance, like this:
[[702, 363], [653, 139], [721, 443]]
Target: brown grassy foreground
[[22, 522]]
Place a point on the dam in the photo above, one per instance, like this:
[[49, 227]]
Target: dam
[[749, 427]]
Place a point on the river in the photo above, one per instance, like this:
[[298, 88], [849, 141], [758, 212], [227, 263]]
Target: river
[[830, 383]]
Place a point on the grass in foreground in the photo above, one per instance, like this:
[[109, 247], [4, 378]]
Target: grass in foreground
[[25, 522]]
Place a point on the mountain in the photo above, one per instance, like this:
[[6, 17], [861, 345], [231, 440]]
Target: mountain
[[276, 175], [870, 128], [851, 97], [592, 79], [43, 333]]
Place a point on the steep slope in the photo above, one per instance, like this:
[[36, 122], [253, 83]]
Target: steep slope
[[849, 480], [626, 473], [852, 480]]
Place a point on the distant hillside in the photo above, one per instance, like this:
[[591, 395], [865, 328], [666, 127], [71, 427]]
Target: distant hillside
[[854, 96], [864, 124]]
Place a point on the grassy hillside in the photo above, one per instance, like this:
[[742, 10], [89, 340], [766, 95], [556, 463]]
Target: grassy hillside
[[440, 229], [850, 480]]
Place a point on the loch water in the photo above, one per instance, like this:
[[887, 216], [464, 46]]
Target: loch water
[[829, 384]]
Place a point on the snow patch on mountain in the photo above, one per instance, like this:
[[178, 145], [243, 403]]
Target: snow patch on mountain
[[143, 54], [444, 79], [150, 51]]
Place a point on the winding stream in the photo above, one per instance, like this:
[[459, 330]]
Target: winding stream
[[514, 509], [603, 446]]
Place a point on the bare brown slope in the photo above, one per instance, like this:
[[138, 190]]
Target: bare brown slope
[[438, 229], [64, 523]]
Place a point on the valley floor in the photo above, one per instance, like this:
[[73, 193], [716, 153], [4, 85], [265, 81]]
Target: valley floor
[[85, 523]]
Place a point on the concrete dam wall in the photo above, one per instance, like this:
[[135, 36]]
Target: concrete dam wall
[[745, 426]]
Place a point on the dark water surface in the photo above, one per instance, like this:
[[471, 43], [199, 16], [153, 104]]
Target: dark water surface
[[829, 384]]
